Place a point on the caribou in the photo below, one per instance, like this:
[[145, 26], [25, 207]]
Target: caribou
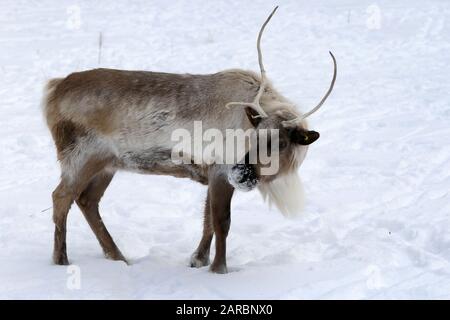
[[105, 120]]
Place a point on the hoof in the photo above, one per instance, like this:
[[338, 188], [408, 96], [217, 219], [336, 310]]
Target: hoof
[[220, 269], [60, 259], [198, 262], [116, 256]]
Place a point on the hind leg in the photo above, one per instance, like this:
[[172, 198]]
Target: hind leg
[[88, 203], [62, 201], [200, 257], [69, 189]]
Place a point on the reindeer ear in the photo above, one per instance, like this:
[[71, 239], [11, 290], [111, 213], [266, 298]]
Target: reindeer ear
[[304, 137], [253, 116]]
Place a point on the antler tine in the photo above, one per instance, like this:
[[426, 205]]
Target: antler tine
[[317, 107], [255, 105]]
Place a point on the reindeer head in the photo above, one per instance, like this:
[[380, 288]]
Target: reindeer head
[[270, 111], [283, 142]]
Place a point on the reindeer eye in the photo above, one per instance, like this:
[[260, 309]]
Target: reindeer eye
[[282, 145]]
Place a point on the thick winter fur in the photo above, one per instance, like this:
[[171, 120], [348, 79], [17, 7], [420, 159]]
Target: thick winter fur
[[127, 115], [285, 193], [106, 120]]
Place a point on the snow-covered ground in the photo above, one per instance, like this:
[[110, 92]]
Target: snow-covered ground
[[377, 219]]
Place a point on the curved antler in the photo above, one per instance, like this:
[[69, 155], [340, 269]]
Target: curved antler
[[255, 104], [296, 120]]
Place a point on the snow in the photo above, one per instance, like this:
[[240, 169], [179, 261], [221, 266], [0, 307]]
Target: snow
[[376, 222]]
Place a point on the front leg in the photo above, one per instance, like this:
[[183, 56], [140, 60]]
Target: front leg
[[200, 257], [220, 193]]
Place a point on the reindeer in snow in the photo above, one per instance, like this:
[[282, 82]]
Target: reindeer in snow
[[106, 120]]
